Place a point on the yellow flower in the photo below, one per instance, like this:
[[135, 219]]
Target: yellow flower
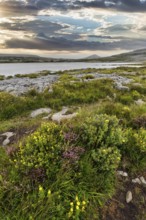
[[40, 188], [83, 202], [49, 192], [77, 207], [71, 210], [83, 208], [71, 203], [78, 203], [76, 198]]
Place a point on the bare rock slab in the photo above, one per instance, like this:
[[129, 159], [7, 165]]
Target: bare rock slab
[[62, 115], [40, 111]]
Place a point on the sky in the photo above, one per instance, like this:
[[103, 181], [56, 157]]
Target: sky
[[72, 28]]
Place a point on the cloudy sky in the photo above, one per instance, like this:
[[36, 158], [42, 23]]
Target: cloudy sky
[[72, 28]]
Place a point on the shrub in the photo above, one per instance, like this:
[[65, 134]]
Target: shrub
[[101, 131], [135, 147], [42, 149], [106, 159]]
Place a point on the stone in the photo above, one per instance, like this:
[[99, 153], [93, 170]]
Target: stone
[[143, 181], [122, 173], [129, 197], [8, 136], [139, 102], [136, 180], [120, 87], [59, 116], [40, 111]]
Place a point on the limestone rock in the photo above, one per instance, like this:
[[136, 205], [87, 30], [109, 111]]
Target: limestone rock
[[139, 102], [7, 139], [122, 173], [136, 180], [59, 116], [129, 197], [40, 111], [143, 181]]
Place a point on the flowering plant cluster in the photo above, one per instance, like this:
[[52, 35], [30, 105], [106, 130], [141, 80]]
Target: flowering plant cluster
[[73, 154]]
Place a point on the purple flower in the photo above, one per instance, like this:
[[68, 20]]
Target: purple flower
[[73, 153]]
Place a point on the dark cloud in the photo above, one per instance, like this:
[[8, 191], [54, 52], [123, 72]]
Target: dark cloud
[[52, 33], [59, 44], [33, 26], [33, 6]]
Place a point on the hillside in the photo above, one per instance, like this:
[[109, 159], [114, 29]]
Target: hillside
[[134, 56]]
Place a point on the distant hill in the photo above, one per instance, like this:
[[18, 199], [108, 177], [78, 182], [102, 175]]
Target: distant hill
[[134, 56], [24, 58], [94, 56]]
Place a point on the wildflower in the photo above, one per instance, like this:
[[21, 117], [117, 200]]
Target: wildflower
[[83, 208], [77, 207], [49, 192], [71, 210], [71, 203], [83, 202], [40, 188], [78, 203]]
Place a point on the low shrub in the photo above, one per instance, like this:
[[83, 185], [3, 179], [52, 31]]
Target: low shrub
[[42, 150], [134, 148], [106, 159], [101, 131]]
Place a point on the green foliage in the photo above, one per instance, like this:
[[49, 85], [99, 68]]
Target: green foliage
[[42, 149], [101, 131], [2, 77], [106, 159], [135, 147]]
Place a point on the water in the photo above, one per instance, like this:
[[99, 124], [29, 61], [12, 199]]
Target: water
[[26, 68]]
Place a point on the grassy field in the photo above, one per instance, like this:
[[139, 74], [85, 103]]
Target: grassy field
[[66, 171]]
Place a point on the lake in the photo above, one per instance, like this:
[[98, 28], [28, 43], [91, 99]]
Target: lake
[[26, 68]]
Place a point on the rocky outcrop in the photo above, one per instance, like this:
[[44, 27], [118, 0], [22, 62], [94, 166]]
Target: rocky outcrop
[[18, 86]]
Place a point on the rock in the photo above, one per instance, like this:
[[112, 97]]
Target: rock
[[139, 102], [8, 136], [50, 89], [20, 86], [59, 116], [129, 197], [121, 173], [136, 180], [120, 87], [143, 181], [40, 111], [47, 117]]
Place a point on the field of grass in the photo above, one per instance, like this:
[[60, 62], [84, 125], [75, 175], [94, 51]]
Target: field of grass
[[69, 170]]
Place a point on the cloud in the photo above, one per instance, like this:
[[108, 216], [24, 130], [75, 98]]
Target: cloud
[[34, 6], [72, 25], [59, 44]]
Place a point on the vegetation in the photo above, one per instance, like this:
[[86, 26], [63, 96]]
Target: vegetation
[[69, 170]]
